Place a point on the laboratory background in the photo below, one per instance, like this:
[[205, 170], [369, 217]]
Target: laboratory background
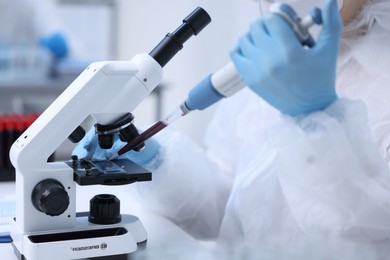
[[96, 30], [199, 198]]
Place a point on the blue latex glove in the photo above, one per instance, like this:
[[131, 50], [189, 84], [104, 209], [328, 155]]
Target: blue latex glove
[[56, 44], [88, 148], [293, 79]]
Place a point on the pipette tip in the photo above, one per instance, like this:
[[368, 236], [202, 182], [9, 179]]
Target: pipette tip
[[113, 157]]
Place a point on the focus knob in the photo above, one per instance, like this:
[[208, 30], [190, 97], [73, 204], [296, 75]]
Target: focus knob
[[104, 209], [50, 197]]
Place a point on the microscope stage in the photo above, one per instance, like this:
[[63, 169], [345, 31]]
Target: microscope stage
[[115, 172]]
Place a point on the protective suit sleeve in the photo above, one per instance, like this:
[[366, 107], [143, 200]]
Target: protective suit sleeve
[[186, 187], [331, 173]]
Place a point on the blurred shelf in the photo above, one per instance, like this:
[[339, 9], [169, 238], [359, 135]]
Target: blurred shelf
[[34, 87]]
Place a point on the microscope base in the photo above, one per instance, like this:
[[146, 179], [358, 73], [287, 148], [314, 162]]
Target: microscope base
[[85, 240]]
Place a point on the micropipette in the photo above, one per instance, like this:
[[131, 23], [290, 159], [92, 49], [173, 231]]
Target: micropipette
[[226, 81]]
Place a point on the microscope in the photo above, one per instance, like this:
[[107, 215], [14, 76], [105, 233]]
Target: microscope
[[47, 224]]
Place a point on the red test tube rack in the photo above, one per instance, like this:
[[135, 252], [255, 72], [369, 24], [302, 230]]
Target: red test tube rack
[[11, 127]]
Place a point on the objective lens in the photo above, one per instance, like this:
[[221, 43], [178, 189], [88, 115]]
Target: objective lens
[[106, 141]]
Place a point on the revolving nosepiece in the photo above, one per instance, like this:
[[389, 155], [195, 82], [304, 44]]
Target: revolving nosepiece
[[123, 126]]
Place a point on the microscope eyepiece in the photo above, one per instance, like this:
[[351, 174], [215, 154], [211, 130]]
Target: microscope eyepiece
[[173, 42], [192, 25]]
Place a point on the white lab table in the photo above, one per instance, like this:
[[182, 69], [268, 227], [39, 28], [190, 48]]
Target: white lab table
[[162, 233]]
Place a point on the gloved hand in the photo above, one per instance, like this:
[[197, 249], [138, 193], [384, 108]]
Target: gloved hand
[[56, 44], [88, 148], [293, 79]]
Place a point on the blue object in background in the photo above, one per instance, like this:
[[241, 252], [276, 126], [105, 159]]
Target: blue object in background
[[7, 212], [5, 237], [56, 44]]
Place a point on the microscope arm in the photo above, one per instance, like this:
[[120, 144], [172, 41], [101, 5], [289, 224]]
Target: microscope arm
[[106, 91]]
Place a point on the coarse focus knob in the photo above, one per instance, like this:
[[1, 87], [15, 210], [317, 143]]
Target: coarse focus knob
[[104, 209], [50, 197]]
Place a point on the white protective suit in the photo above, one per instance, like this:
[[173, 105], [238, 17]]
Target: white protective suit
[[263, 180]]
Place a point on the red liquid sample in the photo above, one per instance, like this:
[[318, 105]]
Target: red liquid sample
[[154, 129]]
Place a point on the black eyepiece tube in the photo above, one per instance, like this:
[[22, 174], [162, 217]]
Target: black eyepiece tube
[[173, 42]]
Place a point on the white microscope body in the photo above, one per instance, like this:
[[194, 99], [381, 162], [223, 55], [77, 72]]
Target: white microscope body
[[105, 91]]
